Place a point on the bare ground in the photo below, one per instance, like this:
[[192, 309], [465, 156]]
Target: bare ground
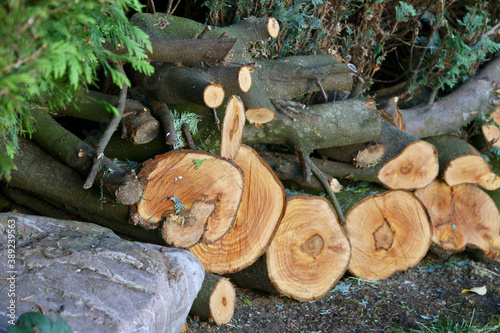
[[425, 294]]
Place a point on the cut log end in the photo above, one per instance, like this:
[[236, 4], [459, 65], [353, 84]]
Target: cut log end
[[471, 169], [182, 188], [245, 78], [462, 215], [415, 167], [310, 251], [222, 302], [491, 132], [213, 95], [261, 210], [389, 232], [273, 27], [232, 130], [129, 193], [369, 155], [259, 116]]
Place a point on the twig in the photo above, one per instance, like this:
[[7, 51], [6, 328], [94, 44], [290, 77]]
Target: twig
[[321, 177], [320, 85], [306, 169], [112, 126], [217, 121], [492, 31], [204, 32], [160, 110], [189, 137]]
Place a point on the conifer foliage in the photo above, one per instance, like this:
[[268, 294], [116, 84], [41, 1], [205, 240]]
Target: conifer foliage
[[50, 49]]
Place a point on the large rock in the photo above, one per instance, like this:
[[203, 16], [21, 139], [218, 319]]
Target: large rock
[[103, 283]]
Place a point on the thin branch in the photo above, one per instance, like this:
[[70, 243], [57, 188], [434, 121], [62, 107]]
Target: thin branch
[[189, 137], [112, 126], [162, 112], [306, 169], [321, 177], [320, 85], [217, 121]]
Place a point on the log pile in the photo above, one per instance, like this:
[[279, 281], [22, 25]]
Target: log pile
[[225, 201]]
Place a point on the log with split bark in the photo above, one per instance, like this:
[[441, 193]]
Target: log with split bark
[[462, 216], [192, 195], [259, 214]]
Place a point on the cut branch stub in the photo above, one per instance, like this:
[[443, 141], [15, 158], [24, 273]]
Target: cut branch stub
[[462, 215], [215, 300], [389, 233], [415, 167], [310, 251], [491, 131], [232, 128], [460, 163], [189, 190], [260, 212], [259, 116]]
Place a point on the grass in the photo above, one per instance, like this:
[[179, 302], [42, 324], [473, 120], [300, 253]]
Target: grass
[[446, 325]]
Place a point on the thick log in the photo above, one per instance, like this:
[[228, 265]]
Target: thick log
[[140, 126], [195, 194], [460, 163], [310, 251], [234, 80], [216, 300], [318, 126], [462, 216], [261, 210], [68, 148], [232, 128], [292, 77], [186, 50], [308, 255], [472, 100], [247, 31], [408, 163], [389, 233], [174, 84], [59, 185]]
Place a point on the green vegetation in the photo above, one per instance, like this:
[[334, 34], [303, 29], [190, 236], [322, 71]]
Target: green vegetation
[[36, 322], [447, 325], [423, 45], [52, 49]]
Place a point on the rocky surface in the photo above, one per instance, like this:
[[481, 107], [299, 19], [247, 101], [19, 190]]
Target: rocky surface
[[96, 280]]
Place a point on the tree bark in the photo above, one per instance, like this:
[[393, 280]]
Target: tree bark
[[291, 78], [173, 84], [186, 50], [261, 210], [473, 99], [462, 216], [68, 148], [389, 233], [461, 163], [216, 300], [60, 186]]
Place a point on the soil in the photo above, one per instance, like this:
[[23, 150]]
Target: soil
[[418, 297]]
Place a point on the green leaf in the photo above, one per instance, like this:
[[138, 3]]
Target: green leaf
[[197, 163], [404, 11], [36, 322]]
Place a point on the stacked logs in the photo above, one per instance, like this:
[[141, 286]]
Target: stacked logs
[[229, 206]]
